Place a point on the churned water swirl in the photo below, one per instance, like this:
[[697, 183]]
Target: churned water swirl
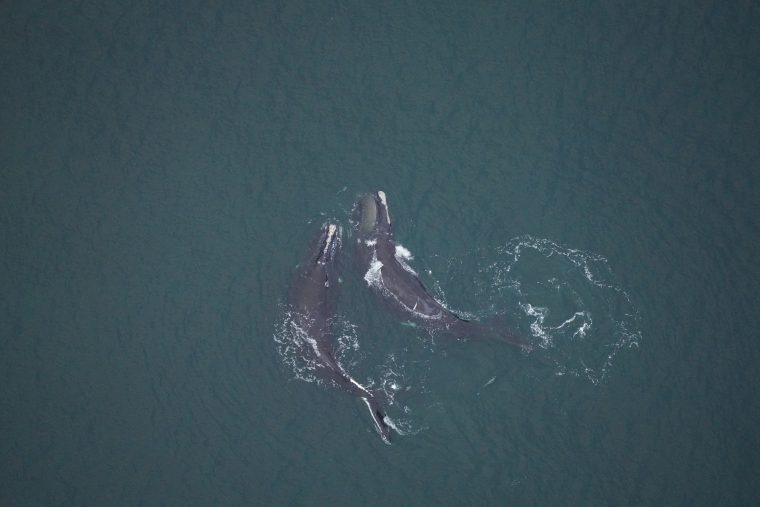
[[566, 302], [569, 301]]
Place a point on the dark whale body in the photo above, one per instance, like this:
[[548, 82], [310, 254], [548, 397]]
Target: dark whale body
[[312, 304], [385, 272]]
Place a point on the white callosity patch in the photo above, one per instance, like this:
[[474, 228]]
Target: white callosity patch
[[383, 200], [331, 229], [331, 237]]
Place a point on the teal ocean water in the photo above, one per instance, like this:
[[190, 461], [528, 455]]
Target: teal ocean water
[[585, 174]]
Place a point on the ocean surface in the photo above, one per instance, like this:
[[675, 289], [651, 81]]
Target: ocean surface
[[584, 174]]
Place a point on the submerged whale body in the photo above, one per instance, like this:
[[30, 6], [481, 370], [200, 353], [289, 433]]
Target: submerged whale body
[[312, 304], [381, 259]]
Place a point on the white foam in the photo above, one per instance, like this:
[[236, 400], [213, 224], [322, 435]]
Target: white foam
[[571, 319], [347, 338], [402, 255], [580, 345], [582, 330], [537, 326], [403, 252], [315, 347], [390, 422], [374, 275], [291, 342], [304, 337]]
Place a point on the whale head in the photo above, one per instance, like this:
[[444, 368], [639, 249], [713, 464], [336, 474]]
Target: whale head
[[327, 245], [373, 216]]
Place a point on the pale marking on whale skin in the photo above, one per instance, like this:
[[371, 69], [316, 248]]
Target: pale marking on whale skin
[[330, 235], [381, 195], [357, 384]]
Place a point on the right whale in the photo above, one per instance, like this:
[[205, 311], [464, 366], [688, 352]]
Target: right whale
[[380, 258], [312, 299]]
